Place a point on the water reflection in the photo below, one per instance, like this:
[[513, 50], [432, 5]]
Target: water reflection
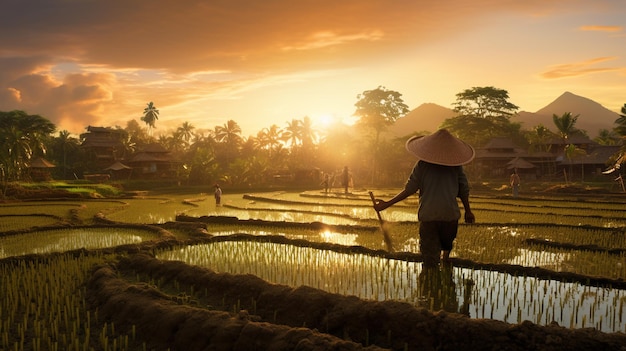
[[45, 242], [477, 293], [326, 236], [338, 238], [543, 259], [438, 290]]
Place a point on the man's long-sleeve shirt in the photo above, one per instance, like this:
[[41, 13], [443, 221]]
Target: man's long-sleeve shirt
[[438, 186]]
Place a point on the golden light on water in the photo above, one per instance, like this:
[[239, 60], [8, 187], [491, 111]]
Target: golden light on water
[[338, 238]]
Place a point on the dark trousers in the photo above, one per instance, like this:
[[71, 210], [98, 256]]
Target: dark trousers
[[436, 236]]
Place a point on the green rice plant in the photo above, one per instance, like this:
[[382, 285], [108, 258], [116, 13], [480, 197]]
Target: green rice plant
[[66, 239], [545, 204], [43, 307], [21, 222], [491, 295], [552, 201], [57, 209], [506, 244], [505, 217], [84, 188], [85, 209], [148, 210]]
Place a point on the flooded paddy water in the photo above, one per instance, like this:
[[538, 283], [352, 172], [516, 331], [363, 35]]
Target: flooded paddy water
[[553, 261]]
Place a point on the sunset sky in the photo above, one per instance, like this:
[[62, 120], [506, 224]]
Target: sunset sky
[[264, 62]]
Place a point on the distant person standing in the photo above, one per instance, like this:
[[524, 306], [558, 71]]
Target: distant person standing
[[218, 195], [326, 182], [346, 179], [515, 182]]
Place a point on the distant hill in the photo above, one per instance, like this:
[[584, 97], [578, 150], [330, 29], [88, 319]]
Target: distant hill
[[592, 116], [427, 117]]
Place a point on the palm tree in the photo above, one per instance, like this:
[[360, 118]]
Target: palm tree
[[186, 131], [620, 158], [293, 132], [150, 116], [269, 138], [202, 139], [539, 141], [308, 134], [607, 137], [539, 138], [128, 146], [177, 142], [229, 135], [67, 144], [566, 125], [17, 152], [200, 158], [23, 136]]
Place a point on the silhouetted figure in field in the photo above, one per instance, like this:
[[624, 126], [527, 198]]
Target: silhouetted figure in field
[[439, 178], [326, 183], [515, 182], [218, 195], [346, 179]]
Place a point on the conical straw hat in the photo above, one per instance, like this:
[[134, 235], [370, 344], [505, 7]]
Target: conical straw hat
[[441, 148]]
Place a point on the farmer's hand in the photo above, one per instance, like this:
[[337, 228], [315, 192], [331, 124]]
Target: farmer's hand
[[469, 217], [380, 205]]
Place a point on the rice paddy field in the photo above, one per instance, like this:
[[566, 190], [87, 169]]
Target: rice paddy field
[[547, 260]]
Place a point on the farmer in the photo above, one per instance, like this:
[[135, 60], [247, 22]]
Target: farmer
[[515, 182], [438, 176], [346, 179], [218, 195], [326, 183]]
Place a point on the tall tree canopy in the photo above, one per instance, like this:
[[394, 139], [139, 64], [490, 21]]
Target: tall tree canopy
[[23, 136], [377, 109], [483, 113], [484, 102]]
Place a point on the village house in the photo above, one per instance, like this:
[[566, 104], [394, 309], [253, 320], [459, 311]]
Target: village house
[[39, 169], [153, 162], [102, 144], [500, 156]]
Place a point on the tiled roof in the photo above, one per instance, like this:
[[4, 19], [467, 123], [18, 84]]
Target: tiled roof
[[40, 162]]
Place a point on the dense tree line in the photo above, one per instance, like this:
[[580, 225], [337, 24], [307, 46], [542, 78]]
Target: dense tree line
[[223, 154]]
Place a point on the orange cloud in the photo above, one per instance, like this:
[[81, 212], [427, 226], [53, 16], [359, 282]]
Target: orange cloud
[[602, 28], [578, 68], [79, 97], [329, 38]]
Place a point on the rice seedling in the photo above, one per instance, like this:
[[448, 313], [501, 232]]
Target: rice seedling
[[43, 307], [57, 209], [20, 222], [493, 295], [66, 239]]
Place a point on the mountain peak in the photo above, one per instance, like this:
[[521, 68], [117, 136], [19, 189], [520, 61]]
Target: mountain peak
[[426, 117], [592, 117]]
